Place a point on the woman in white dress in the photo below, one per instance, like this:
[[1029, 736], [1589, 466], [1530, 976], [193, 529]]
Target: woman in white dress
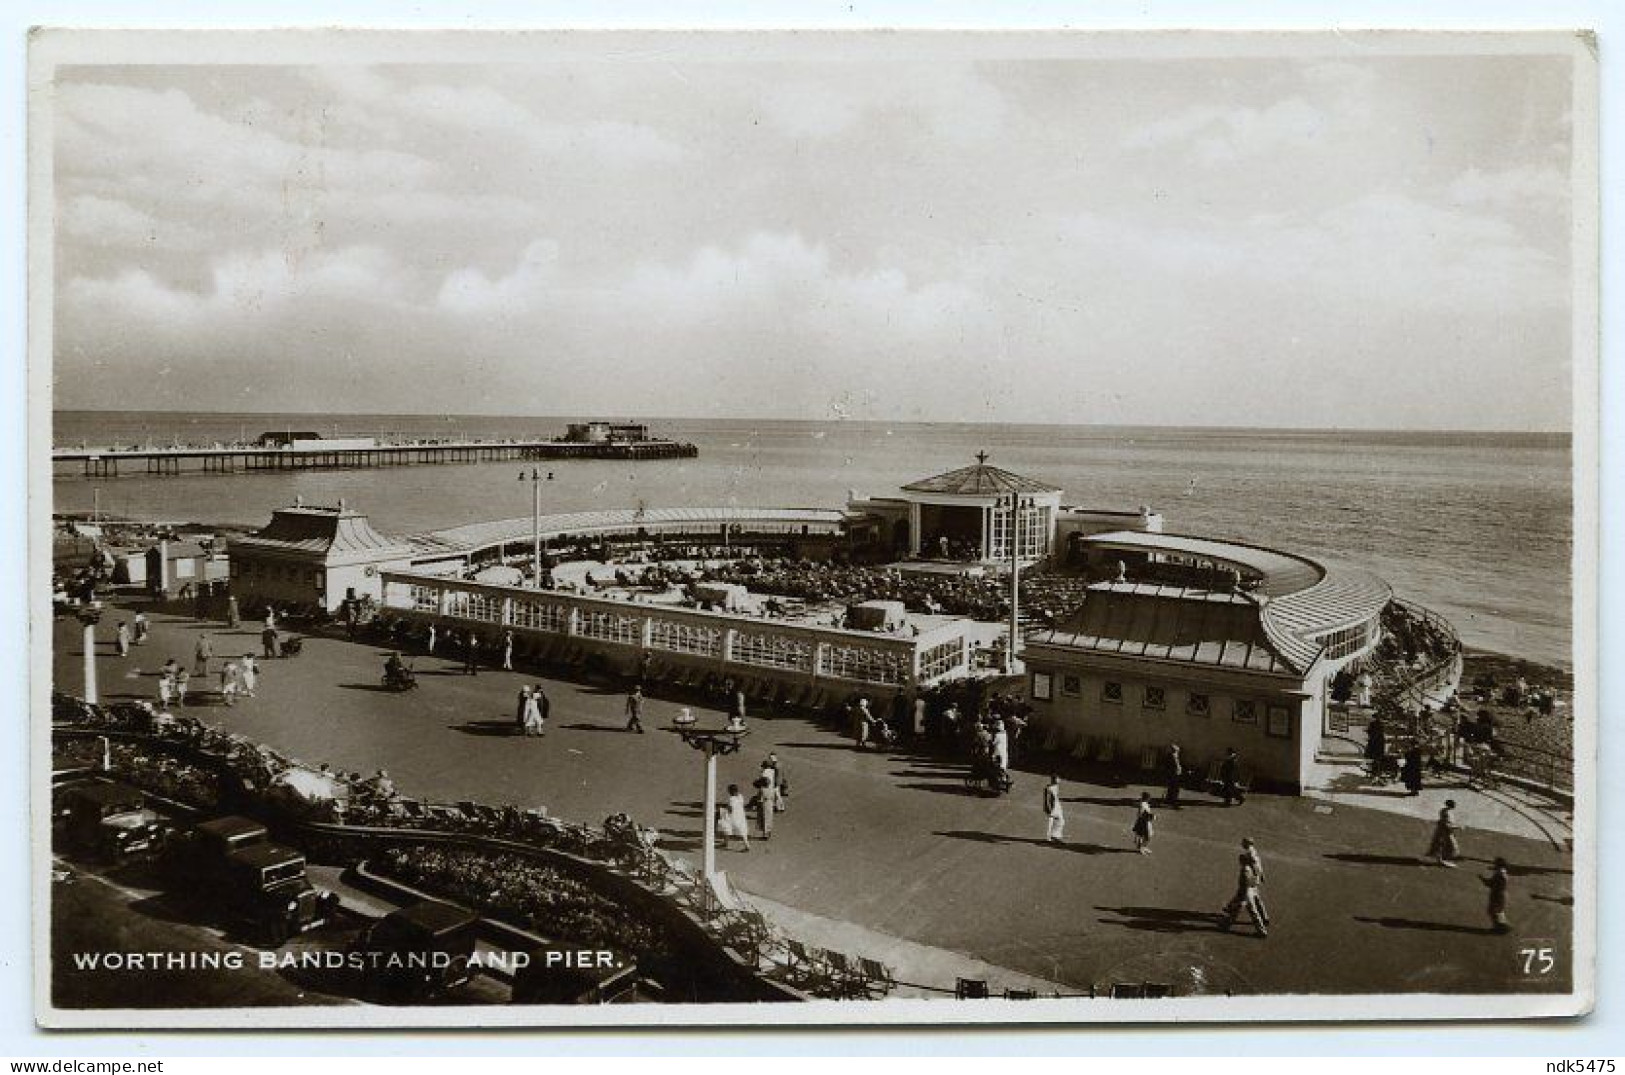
[[251, 674], [534, 725], [736, 815]]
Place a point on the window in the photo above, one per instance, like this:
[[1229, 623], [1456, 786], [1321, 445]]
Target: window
[[541, 616], [1280, 722], [1041, 687], [1072, 685], [1199, 705], [1244, 712], [423, 598], [772, 651], [1111, 693], [680, 637], [867, 665], [611, 627], [483, 606], [937, 661], [1156, 698]]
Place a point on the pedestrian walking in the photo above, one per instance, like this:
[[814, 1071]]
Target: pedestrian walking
[[471, 654], [182, 680], [1055, 818], [763, 802], [430, 644], [781, 782], [862, 724], [166, 688], [736, 815], [250, 674], [544, 708], [519, 709], [1175, 771], [1410, 770], [634, 710], [919, 717], [507, 651], [230, 681], [1144, 824], [1496, 881], [202, 654], [142, 628], [1001, 748], [121, 639], [736, 706], [270, 616], [1445, 848], [1246, 897], [535, 719], [268, 642], [1230, 777], [1249, 851], [234, 616]]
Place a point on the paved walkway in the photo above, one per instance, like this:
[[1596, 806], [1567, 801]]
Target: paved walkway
[[891, 844]]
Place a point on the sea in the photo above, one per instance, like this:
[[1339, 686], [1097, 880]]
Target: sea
[[1476, 526]]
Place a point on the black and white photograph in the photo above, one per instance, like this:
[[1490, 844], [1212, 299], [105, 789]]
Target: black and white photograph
[[595, 528]]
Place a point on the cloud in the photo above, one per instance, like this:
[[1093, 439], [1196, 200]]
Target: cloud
[[1225, 135]]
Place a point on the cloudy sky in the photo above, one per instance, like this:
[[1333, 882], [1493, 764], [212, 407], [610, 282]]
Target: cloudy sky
[[1376, 241]]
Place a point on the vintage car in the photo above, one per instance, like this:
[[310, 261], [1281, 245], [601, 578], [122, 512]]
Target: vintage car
[[558, 974], [418, 951], [266, 890], [109, 820], [232, 863]]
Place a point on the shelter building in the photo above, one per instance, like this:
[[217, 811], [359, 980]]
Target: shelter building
[[314, 555], [1208, 644]]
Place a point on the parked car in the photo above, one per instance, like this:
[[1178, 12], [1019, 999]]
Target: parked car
[[254, 882], [109, 820], [419, 951]]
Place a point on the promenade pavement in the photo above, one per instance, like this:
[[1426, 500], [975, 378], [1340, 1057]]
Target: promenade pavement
[[892, 843]]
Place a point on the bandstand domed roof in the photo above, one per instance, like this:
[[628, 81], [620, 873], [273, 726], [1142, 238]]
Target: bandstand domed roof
[[979, 480]]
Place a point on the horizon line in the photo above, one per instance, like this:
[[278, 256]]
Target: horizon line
[[1447, 431]]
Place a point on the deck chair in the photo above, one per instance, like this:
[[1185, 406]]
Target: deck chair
[[971, 989], [808, 968], [850, 980], [878, 975]]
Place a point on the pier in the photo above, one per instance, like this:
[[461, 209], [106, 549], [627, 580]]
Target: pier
[[108, 462]]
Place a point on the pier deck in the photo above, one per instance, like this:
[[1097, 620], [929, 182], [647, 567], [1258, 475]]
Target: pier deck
[[107, 462]]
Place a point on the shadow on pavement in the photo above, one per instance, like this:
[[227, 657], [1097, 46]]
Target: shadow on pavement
[[1163, 920], [579, 727], [376, 688], [1378, 860], [487, 727], [1521, 871], [1431, 927], [948, 789], [1064, 845]]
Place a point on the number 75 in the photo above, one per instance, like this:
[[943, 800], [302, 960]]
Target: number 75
[[1537, 960]]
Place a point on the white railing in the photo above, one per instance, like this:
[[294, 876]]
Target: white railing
[[743, 643]]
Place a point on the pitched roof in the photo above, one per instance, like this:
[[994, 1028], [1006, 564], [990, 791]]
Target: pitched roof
[[1171, 623], [335, 535], [979, 479]]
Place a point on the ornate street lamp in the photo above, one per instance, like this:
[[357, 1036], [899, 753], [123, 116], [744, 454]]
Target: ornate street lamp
[[90, 614], [713, 742]]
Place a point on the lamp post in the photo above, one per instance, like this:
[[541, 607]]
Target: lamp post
[[90, 614], [713, 743], [535, 479]]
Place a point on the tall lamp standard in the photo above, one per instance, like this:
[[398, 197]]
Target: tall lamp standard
[[90, 614], [713, 743], [1016, 505], [535, 479]]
